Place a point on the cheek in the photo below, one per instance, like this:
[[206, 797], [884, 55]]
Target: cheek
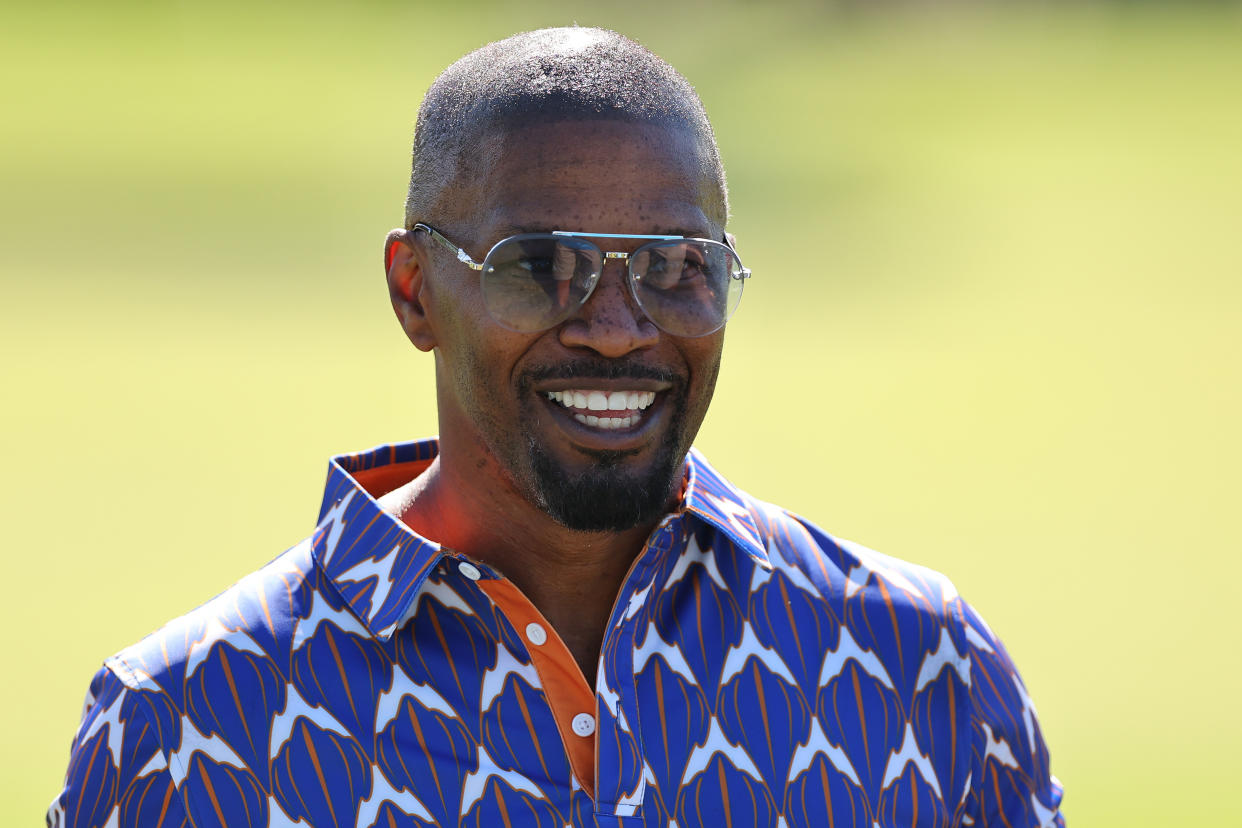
[[443, 302], [483, 369], [474, 369], [705, 367], [703, 357]]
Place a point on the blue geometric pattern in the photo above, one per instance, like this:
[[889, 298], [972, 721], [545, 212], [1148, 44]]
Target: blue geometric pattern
[[755, 672]]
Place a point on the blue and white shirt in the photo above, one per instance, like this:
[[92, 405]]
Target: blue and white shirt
[[755, 671]]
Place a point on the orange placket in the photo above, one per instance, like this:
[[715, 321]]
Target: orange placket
[[564, 685]]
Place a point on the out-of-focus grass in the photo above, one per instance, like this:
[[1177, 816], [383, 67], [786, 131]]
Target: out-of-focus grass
[[994, 326]]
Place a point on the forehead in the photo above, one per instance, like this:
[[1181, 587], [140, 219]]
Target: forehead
[[605, 176]]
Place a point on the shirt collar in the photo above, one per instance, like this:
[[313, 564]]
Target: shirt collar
[[717, 502], [378, 564]]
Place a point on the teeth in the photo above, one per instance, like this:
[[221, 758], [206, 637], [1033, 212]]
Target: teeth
[[599, 401], [605, 422], [581, 401]]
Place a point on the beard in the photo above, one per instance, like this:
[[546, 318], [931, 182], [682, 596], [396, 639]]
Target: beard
[[607, 496]]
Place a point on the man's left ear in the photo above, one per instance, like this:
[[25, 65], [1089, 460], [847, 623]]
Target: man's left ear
[[403, 268], [731, 239]]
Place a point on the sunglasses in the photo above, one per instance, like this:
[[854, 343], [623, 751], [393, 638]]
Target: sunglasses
[[533, 281]]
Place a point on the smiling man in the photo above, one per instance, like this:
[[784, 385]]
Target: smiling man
[[557, 613]]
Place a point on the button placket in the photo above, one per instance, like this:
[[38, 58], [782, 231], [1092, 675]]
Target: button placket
[[566, 693]]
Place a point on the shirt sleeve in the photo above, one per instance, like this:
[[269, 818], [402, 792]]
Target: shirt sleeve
[[1011, 783], [118, 774]]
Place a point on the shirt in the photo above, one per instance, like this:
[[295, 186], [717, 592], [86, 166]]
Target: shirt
[[754, 672]]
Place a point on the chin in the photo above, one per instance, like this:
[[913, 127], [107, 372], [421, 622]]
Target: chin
[[609, 494]]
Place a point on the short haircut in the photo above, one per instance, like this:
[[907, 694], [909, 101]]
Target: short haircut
[[565, 74]]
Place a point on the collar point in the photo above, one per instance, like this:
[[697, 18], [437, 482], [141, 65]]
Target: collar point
[[761, 561]]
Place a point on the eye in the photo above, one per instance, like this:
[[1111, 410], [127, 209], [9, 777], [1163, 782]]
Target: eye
[[676, 268], [539, 267], [695, 266]]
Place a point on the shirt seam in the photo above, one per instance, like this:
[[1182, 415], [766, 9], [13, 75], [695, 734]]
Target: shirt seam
[[132, 685], [957, 624]]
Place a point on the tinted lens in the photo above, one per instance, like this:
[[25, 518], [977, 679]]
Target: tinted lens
[[532, 282], [688, 287]]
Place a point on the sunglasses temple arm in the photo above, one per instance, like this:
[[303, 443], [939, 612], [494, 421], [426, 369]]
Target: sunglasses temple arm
[[462, 256]]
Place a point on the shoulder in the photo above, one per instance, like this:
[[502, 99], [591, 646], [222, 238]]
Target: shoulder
[[162, 717], [843, 570], [896, 626], [834, 568], [908, 630], [255, 616]]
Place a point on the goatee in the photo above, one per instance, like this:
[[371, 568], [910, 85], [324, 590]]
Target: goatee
[[607, 496]]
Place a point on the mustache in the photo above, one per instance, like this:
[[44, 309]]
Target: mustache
[[601, 369]]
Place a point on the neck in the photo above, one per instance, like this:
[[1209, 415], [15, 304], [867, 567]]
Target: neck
[[571, 577]]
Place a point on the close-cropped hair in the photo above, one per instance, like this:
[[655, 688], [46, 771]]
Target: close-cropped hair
[[546, 76]]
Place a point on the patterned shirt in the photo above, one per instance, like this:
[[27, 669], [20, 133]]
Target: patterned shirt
[[755, 672]]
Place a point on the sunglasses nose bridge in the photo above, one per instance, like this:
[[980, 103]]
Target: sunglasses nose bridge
[[630, 276], [624, 284], [607, 256]]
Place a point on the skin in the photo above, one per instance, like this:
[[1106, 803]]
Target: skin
[[596, 176]]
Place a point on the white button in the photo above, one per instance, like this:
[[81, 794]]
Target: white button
[[583, 724], [469, 570], [536, 634]]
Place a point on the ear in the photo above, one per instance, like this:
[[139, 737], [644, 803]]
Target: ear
[[404, 268]]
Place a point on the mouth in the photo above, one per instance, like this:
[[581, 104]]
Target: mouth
[[602, 408], [605, 410], [608, 415]]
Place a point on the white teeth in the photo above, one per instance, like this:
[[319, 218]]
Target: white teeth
[[606, 423], [581, 401]]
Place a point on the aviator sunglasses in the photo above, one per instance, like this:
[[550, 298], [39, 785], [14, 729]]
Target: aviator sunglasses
[[532, 281]]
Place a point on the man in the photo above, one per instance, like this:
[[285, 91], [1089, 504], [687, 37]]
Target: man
[[558, 614]]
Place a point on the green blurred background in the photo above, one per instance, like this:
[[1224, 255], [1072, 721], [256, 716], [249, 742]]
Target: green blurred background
[[994, 327]]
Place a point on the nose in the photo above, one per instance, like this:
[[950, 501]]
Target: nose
[[610, 322]]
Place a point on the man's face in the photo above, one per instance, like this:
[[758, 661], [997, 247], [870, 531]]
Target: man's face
[[526, 407]]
